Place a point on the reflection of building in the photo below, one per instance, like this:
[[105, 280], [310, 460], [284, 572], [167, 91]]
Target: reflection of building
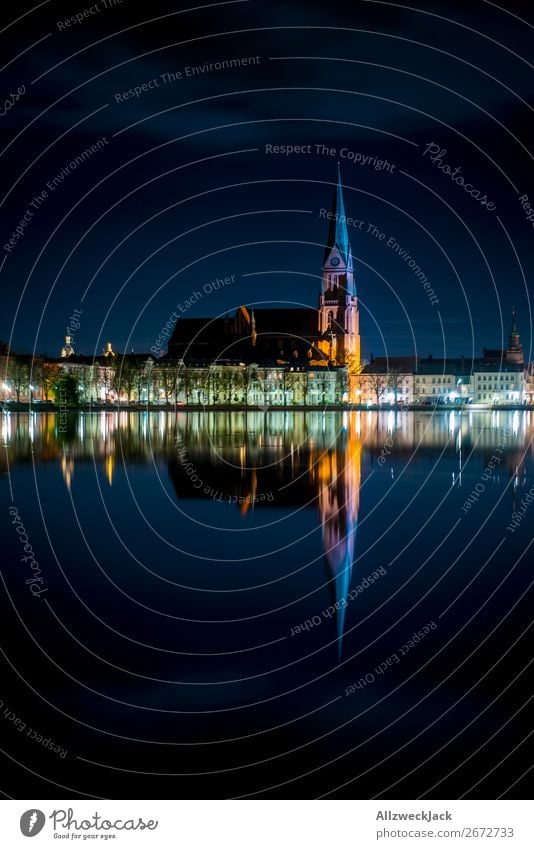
[[254, 460], [252, 469]]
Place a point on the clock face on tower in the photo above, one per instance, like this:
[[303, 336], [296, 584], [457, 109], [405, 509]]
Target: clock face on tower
[[335, 261]]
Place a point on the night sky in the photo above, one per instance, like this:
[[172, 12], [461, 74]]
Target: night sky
[[183, 191]]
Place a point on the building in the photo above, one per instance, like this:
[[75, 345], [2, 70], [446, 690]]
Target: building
[[499, 377], [385, 380], [273, 357], [442, 381], [494, 384]]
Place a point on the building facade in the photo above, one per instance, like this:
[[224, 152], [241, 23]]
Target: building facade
[[325, 337], [273, 357]]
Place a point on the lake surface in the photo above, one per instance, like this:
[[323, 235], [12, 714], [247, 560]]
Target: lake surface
[[267, 604]]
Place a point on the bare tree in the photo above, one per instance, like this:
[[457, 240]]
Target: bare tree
[[44, 375], [394, 382], [126, 377], [378, 386], [166, 374], [18, 374]]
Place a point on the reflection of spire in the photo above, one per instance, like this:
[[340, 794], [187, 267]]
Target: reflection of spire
[[249, 500], [339, 475], [109, 466]]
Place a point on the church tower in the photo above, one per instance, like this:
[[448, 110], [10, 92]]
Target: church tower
[[339, 322], [514, 352], [67, 349]]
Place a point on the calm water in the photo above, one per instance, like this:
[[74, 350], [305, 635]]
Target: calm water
[[224, 604]]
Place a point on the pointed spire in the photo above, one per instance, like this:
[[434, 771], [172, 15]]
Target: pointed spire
[[337, 231], [514, 352], [513, 330]]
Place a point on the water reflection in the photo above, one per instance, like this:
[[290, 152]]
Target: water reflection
[[280, 460]]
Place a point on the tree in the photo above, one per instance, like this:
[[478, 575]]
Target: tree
[[394, 381], [354, 369], [187, 383], [178, 381], [126, 377], [108, 376], [291, 385], [265, 386], [228, 382], [341, 384], [244, 382], [305, 386], [138, 368], [44, 375], [65, 389], [18, 374], [377, 385], [167, 379]]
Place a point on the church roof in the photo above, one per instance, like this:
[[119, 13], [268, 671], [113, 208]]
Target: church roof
[[297, 321], [276, 330]]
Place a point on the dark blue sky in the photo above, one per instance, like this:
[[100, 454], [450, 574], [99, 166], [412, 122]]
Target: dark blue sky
[[183, 191]]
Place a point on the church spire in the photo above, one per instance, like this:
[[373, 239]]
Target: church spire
[[338, 303], [514, 352], [337, 232], [513, 329]]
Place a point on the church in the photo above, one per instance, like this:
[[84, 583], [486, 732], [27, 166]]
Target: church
[[280, 357], [325, 336]]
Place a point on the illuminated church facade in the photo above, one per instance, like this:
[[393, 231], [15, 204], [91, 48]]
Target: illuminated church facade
[[275, 357]]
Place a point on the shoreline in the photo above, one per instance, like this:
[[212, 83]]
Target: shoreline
[[240, 408]]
